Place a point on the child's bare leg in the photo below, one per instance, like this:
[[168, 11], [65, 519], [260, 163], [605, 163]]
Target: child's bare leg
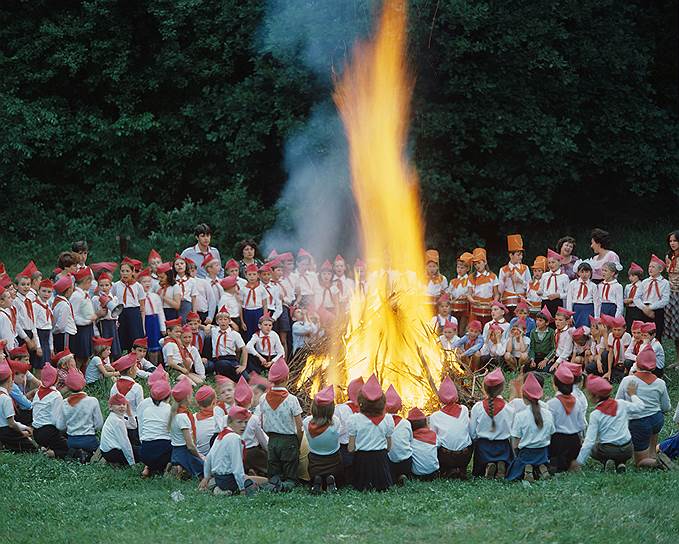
[[195, 378], [284, 341]]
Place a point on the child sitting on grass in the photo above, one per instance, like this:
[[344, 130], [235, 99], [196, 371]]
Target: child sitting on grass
[[401, 451], [47, 406], [115, 444], [425, 457], [14, 436], [182, 425], [99, 365]]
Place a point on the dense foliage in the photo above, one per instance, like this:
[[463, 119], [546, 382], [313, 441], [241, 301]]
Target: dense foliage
[[139, 118]]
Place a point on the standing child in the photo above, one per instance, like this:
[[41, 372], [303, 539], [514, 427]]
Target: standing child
[[370, 433], [534, 292], [646, 424], [229, 356], [459, 290], [62, 311], [401, 452], [169, 292], [80, 417], [653, 295], [23, 311], [305, 326], [437, 283], [610, 291], [541, 348], [425, 456], [83, 310], [154, 319], [182, 426], [554, 284], [115, 445], [583, 296], [635, 274], [47, 406], [281, 417], [206, 303], [326, 296], [43, 325], [489, 425], [273, 292], [608, 438], [307, 281], [107, 323], [284, 280], [14, 436], [483, 288], [451, 425], [154, 260], [514, 277], [345, 286], [322, 429], [254, 301], [187, 286], [569, 421], [230, 302], [531, 435], [131, 294], [563, 338]]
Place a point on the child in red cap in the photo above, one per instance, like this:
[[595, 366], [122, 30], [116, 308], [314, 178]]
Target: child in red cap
[[469, 346], [99, 365], [425, 455], [14, 436], [254, 300], [115, 444], [47, 406], [182, 425], [569, 421], [186, 284], [401, 451]]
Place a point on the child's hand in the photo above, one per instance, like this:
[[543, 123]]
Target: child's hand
[[599, 367], [607, 376], [575, 466], [542, 364], [240, 369], [203, 485], [631, 388]]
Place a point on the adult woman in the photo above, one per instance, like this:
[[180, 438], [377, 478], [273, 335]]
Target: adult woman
[[566, 246], [248, 250], [672, 309], [601, 241]]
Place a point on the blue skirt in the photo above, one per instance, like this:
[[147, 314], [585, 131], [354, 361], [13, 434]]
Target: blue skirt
[[190, 463], [670, 447], [109, 329], [582, 313], [60, 341], [527, 456], [130, 327], [87, 442], [152, 323], [490, 451], [184, 309], [156, 454], [608, 308], [81, 343], [44, 335], [170, 314], [284, 323], [251, 318]]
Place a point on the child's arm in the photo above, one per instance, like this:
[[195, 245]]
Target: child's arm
[[298, 426], [207, 473], [190, 444], [352, 444], [388, 443], [243, 361], [97, 418], [609, 366], [105, 371]]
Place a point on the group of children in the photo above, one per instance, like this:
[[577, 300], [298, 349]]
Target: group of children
[[241, 322]]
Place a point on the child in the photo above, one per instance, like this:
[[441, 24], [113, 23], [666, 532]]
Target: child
[[497, 314], [286, 289], [83, 310], [255, 439], [534, 292], [115, 444], [451, 425], [107, 323], [307, 281], [64, 321], [131, 294], [224, 463], [47, 406], [42, 314], [344, 412], [152, 417], [618, 341], [610, 291], [192, 362], [304, 327], [154, 318], [23, 310], [516, 354], [649, 339], [130, 389], [169, 292], [514, 277], [469, 346], [206, 303], [370, 433], [489, 425], [64, 361], [443, 315], [326, 296], [448, 337], [230, 302], [437, 283], [175, 354], [645, 425], [569, 421], [583, 296], [653, 295], [187, 286], [14, 436], [254, 301], [563, 338], [425, 457], [321, 429], [154, 260], [229, 355], [608, 438], [401, 451], [264, 347], [274, 303], [523, 312], [345, 286], [206, 423], [635, 345], [281, 417], [531, 435], [225, 399], [458, 290], [635, 274], [554, 284], [541, 348], [144, 366], [494, 348], [182, 426], [483, 287], [99, 366], [80, 417]]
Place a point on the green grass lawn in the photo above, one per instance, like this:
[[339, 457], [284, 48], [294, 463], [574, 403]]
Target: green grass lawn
[[44, 500]]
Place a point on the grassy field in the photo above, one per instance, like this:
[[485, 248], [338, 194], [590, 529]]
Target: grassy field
[[44, 500]]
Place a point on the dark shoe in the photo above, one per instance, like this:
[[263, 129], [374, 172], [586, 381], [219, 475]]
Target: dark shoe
[[401, 480], [317, 487], [330, 484], [621, 468], [609, 466], [250, 487], [501, 470], [665, 462]]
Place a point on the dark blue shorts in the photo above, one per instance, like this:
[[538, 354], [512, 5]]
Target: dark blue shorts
[[642, 429]]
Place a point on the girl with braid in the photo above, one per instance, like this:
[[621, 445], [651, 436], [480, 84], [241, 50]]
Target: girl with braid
[[489, 424]]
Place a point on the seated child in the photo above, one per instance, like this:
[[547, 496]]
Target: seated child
[[225, 391], [304, 327], [451, 425], [443, 315], [425, 457], [531, 435], [126, 366], [152, 416], [523, 312], [14, 436], [469, 346], [321, 429], [115, 444], [516, 354], [47, 406], [256, 441], [608, 438], [541, 347], [569, 421], [185, 455], [448, 337], [494, 347], [144, 366], [401, 451], [206, 423], [99, 365], [635, 345], [229, 356]]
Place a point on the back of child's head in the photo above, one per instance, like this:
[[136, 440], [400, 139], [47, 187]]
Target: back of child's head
[[535, 409], [563, 388], [205, 402], [418, 424], [322, 413], [372, 407], [493, 391]]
